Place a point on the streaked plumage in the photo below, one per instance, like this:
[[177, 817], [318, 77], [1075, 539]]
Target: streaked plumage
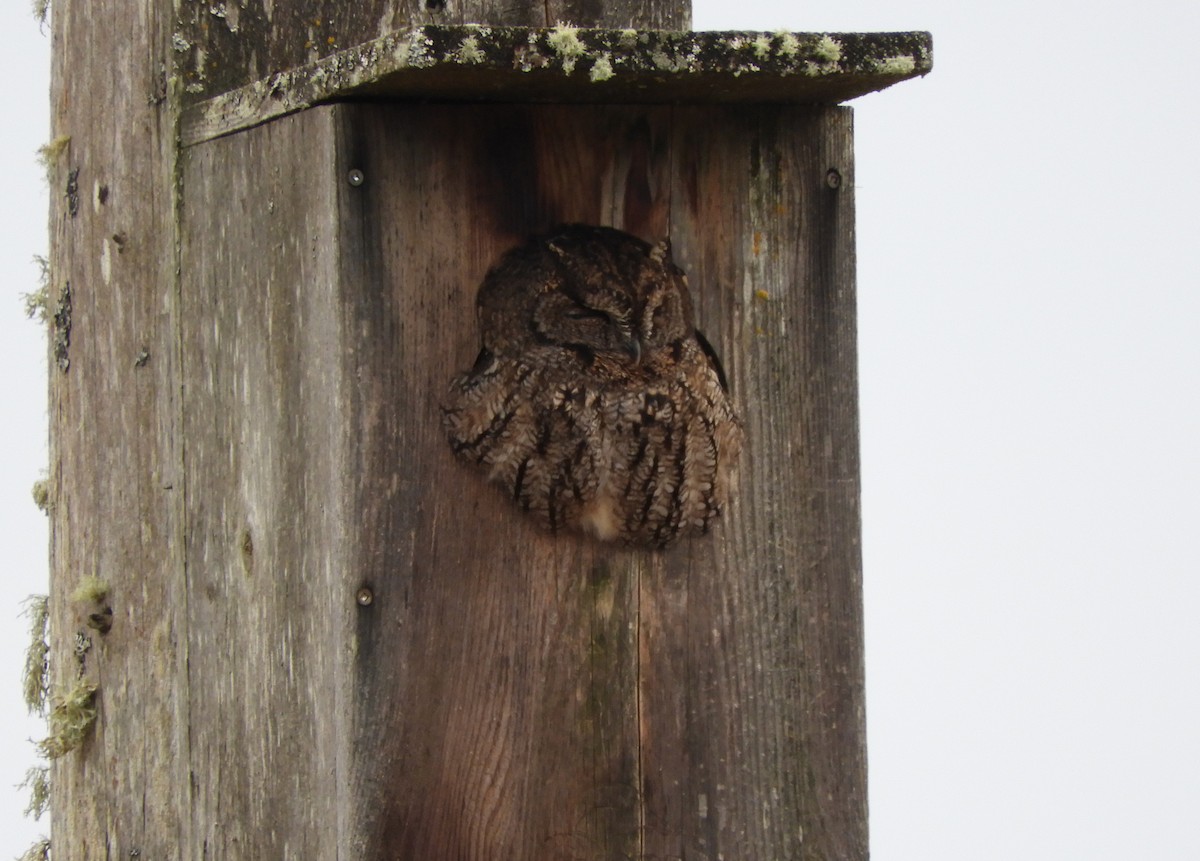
[[594, 402]]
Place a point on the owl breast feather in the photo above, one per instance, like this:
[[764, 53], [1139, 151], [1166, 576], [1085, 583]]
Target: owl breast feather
[[643, 460]]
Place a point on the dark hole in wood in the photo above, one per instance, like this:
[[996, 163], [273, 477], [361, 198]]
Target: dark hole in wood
[[435, 4]]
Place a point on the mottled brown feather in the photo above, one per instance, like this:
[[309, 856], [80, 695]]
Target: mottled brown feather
[[594, 403]]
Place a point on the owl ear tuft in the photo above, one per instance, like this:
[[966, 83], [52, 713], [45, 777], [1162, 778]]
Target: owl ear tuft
[[661, 252]]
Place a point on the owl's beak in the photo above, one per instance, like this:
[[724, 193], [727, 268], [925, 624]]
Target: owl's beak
[[634, 348]]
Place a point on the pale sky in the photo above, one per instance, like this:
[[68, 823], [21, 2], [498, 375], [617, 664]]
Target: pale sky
[[1029, 300]]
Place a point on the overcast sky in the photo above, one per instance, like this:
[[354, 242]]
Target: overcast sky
[[1029, 288]]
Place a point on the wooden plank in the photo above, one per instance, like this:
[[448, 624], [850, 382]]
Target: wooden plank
[[115, 452], [220, 47], [523, 64], [767, 628], [496, 670], [522, 695], [614, 14], [271, 592]]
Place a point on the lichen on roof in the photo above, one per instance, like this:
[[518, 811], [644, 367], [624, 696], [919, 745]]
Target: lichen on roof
[[564, 41], [519, 64]]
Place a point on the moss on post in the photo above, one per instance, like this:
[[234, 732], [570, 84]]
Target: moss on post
[[72, 713], [37, 654]]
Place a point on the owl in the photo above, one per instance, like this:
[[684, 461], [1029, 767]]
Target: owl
[[594, 402]]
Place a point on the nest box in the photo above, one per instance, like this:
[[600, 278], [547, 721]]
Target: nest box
[[430, 670]]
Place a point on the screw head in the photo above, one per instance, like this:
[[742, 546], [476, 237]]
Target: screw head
[[364, 597], [356, 177], [833, 178]]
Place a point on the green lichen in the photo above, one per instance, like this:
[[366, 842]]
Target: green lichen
[[41, 8], [415, 51], [91, 590], [902, 65], [37, 303], [628, 39], [469, 51], [37, 654], [39, 851], [564, 41], [789, 45], [37, 781], [828, 49], [72, 713], [828, 52], [602, 69], [41, 494], [762, 46], [48, 154], [672, 59]]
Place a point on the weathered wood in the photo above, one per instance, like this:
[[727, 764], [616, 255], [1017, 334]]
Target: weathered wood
[[270, 590], [764, 215], [115, 449], [523, 64], [507, 693], [332, 640], [224, 46]]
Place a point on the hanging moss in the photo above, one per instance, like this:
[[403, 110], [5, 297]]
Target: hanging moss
[[72, 713], [49, 153], [39, 851], [37, 654], [37, 781], [37, 303]]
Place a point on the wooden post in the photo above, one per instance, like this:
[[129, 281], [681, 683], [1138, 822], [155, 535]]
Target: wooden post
[[331, 640]]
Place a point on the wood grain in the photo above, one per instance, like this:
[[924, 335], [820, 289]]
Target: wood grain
[[271, 592], [519, 745], [471, 64], [115, 445], [221, 47], [509, 693], [522, 695], [332, 640]]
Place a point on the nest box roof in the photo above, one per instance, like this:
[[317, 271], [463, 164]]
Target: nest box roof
[[566, 64]]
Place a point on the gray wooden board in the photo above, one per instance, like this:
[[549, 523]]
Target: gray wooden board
[[509, 693], [265, 449], [568, 65], [222, 46], [115, 450]]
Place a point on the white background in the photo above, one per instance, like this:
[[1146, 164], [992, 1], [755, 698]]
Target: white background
[[1029, 287]]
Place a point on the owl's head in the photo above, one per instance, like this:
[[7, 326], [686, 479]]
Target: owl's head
[[591, 290]]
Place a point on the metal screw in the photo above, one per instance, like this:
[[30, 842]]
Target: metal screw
[[365, 597], [833, 178], [356, 177]]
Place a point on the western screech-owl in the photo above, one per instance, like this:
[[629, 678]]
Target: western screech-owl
[[594, 401]]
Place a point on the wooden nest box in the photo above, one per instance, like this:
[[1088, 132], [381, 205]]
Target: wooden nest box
[[384, 658]]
